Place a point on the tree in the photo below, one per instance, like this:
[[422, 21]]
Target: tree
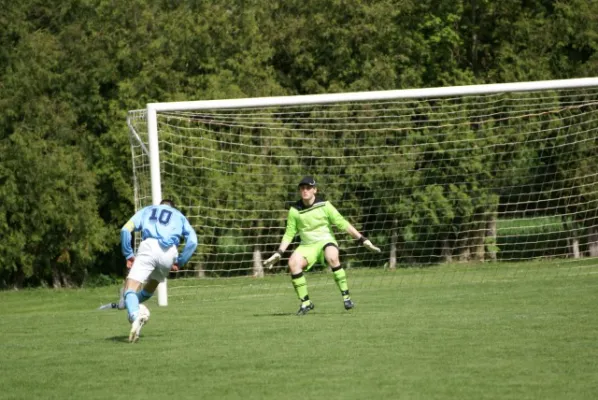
[[53, 231]]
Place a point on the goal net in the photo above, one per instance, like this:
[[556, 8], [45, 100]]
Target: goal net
[[501, 173]]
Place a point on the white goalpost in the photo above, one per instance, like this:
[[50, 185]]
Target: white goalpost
[[482, 173]]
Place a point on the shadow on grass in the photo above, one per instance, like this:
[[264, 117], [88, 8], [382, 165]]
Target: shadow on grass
[[277, 314], [125, 339], [120, 339], [293, 314]]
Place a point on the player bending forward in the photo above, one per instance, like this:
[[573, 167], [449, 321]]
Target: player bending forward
[[313, 218], [161, 229]]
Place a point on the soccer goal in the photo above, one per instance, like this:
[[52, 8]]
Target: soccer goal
[[468, 174]]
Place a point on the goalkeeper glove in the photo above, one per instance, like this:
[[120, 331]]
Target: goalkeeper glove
[[273, 259], [368, 245]]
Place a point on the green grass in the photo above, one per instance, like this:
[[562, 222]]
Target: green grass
[[529, 238], [515, 226], [495, 331]]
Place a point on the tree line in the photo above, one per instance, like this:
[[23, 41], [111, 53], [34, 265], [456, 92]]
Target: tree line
[[71, 70]]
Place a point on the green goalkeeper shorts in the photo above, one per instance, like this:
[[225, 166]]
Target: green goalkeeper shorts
[[314, 253]]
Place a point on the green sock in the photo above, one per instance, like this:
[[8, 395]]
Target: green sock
[[340, 277], [300, 285]]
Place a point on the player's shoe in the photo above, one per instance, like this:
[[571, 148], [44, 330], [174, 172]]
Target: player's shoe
[[305, 308], [136, 328], [118, 306], [108, 306], [348, 304]]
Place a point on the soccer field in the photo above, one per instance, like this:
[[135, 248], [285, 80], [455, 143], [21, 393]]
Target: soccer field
[[495, 331]]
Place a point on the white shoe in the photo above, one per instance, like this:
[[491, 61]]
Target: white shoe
[[136, 328]]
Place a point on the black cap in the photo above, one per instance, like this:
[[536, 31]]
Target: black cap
[[308, 180]]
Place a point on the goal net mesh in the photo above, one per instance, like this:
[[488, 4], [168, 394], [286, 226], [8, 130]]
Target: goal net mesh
[[507, 177]]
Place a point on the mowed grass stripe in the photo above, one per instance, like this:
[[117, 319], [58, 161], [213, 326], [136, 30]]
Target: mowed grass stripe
[[525, 332]]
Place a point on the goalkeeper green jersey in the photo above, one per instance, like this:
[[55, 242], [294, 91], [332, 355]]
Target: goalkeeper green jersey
[[313, 223]]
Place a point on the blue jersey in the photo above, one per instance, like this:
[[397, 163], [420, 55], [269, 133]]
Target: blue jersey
[[164, 223]]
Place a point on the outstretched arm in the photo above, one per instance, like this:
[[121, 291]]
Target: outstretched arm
[[353, 232], [289, 234], [274, 258], [337, 219], [362, 239]]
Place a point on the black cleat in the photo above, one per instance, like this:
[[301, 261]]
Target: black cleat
[[305, 308], [348, 304]]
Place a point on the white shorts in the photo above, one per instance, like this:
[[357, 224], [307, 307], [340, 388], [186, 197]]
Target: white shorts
[[152, 261]]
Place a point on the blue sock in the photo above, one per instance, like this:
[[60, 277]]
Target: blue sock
[[132, 304], [144, 296]]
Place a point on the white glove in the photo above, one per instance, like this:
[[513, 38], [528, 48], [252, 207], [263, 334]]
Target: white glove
[[272, 260], [368, 245]]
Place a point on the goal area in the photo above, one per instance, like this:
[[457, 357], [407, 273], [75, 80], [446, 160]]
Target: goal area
[[499, 173]]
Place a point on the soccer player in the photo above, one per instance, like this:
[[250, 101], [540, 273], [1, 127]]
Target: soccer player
[[313, 218], [162, 228]]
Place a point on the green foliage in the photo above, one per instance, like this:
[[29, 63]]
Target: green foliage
[[51, 222], [69, 71]]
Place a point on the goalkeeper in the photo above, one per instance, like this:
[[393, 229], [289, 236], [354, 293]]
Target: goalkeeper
[[312, 218]]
